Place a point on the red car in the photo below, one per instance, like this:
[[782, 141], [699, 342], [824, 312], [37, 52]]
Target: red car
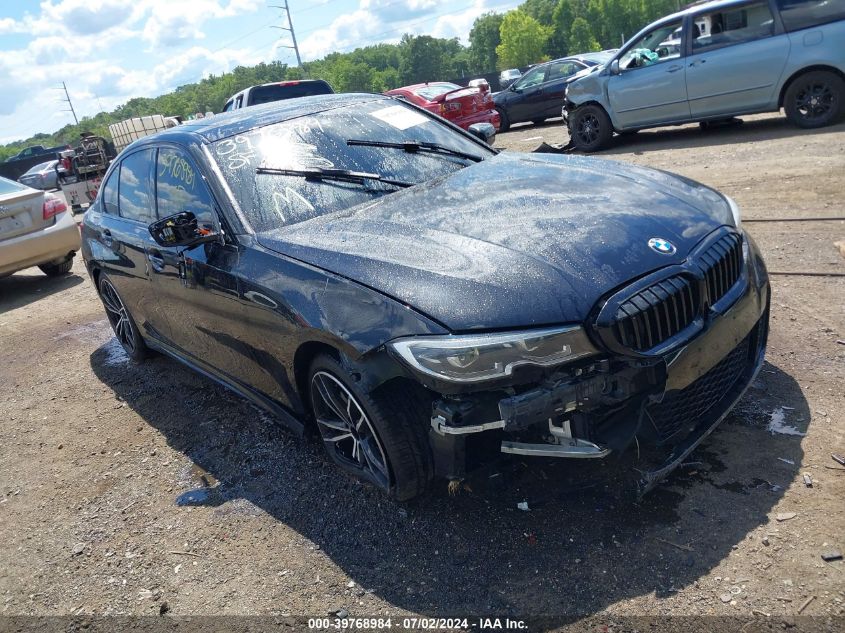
[[459, 105]]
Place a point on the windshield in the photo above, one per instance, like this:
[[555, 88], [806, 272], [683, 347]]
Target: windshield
[[267, 94], [433, 91], [319, 141], [10, 186], [51, 164]]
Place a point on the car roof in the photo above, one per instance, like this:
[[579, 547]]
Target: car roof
[[228, 124], [599, 56], [576, 58], [709, 5]]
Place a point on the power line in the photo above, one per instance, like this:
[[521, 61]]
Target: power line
[[67, 98], [289, 28]]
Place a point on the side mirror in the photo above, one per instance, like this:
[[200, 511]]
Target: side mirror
[[483, 131], [614, 67], [182, 229]]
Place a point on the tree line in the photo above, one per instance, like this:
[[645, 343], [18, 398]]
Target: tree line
[[536, 31]]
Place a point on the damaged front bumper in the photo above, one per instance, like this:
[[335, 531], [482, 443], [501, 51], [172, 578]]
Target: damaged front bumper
[[667, 404]]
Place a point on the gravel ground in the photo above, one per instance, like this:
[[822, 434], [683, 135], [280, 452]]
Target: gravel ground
[[147, 489]]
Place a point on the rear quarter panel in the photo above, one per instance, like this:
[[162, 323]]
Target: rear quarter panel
[[815, 46]]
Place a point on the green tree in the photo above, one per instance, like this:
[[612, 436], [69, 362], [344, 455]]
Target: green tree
[[581, 38], [483, 40], [562, 18], [540, 10], [425, 58], [523, 40]]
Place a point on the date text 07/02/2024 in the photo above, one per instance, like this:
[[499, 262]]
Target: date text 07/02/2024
[[416, 624]]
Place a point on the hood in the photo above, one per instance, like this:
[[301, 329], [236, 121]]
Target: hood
[[517, 240]]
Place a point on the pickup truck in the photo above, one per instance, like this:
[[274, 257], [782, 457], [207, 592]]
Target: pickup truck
[[36, 150]]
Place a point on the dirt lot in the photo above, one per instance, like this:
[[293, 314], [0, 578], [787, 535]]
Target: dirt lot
[[145, 489]]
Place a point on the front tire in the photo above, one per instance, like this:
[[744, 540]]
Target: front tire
[[815, 99], [378, 437], [504, 121], [57, 270], [122, 323], [590, 128]]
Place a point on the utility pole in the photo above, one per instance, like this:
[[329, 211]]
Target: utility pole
[[67, 98], [289, 28]]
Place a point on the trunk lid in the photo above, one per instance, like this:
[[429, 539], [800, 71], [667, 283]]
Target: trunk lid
[[21, 210]]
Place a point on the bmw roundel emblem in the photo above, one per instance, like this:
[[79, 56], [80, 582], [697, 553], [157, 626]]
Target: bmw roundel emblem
[[662, 246]]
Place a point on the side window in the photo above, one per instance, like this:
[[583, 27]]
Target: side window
[[802, 14], [135, 189], [532, 78], [659, 45], [180, 187], [108, 193], [562, 70], [228, 106], [733, 25]]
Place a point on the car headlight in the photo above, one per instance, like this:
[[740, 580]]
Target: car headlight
[[480, 357], [735, 212]]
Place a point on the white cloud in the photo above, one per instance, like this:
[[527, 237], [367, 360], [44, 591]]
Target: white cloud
[[387, 20], [171, 23], [86, 17]]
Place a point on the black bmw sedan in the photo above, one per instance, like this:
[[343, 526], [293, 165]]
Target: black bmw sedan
[[360, 267]]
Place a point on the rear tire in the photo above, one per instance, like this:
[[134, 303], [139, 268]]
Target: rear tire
[[815, 99], [57, 270], [504, 121], [379, 437], [590, 128], [122, 323]]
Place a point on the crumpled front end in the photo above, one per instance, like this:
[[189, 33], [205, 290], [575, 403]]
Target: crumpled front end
[[678, 347]]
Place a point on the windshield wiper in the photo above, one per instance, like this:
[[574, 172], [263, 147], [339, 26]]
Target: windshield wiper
[[343, 175], [413, 147]]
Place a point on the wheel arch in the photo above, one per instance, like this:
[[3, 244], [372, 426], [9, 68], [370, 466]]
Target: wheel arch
[[804, 70], [96, 272], [302, 359], [369, 370]]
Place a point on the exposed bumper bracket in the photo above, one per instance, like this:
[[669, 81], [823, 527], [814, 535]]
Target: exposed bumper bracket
[[574, 448], [438, 423]]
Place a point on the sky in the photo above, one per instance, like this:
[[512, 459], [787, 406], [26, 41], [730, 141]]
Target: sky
[[109, 51]]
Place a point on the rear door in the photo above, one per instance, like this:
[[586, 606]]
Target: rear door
[[124, 240], [737, 56], [21, 210]]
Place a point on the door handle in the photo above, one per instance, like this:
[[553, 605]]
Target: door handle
[[106, 237], [697, 62], [156, 260], [673, 69]]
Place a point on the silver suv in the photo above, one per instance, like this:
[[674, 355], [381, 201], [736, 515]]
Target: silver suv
[[715, 61]]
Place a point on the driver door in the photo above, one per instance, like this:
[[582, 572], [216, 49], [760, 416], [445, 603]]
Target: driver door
[[197, 289], [651, 88], [528, 100]]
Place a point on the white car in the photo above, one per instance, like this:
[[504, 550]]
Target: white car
[[36, 229]]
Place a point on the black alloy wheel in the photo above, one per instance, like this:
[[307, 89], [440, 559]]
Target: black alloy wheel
[[815, 99], [347, 431], [590, 128], [121, 321]]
